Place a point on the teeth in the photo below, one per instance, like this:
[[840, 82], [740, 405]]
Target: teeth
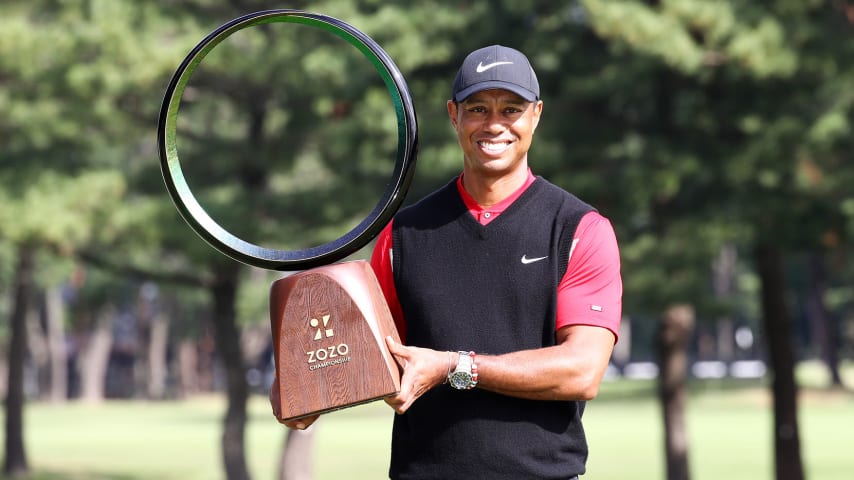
[[493, 147]]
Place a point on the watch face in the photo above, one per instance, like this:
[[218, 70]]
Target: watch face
[[460, 380]]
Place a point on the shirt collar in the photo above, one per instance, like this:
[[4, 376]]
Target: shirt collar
[[486, 215]]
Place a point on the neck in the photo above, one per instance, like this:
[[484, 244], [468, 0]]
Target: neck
[[489, 190]]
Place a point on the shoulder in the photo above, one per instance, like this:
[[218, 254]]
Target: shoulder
[[441, 202], [594, 223], [594, 244], [558, 195]]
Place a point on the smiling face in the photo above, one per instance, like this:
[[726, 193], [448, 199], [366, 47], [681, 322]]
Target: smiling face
[[495, 129]]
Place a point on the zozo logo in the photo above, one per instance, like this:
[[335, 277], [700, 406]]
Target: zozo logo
[[315, 323], [326, 356]]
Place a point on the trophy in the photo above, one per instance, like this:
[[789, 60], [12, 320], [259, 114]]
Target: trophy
[[329, 320], [329, 328]]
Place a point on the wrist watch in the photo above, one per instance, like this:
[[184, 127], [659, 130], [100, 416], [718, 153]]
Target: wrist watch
[[464, 377]]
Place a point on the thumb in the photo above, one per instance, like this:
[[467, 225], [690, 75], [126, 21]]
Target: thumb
[[397, 350], [393, 346]]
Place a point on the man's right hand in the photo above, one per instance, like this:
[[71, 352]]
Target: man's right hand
[[298, 424], [301, 423]]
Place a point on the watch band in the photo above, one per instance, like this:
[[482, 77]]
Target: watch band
[[474, 375], [464, 376]]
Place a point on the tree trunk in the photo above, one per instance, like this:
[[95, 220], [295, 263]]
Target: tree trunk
[[55, 313], [37, 379], [673, 337], [297, 461], [723, 278], [153, 340], [227, 336], [188, 366], [157, 351], [4, 371], [821, 319], [95, 357], [15, 463], [778, 331]]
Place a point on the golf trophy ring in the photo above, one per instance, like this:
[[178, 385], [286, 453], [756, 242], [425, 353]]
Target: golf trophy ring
[[274, 259], [329, 321]]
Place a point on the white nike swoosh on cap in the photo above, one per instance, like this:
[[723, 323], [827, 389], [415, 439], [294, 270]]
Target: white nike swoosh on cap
[[482, 68], [526, 260]]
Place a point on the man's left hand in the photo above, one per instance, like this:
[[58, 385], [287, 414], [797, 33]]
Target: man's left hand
[[423, 369]]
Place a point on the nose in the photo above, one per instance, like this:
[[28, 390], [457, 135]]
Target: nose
[[493, 122]]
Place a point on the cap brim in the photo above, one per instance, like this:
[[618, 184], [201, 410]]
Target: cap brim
[[493, 85]]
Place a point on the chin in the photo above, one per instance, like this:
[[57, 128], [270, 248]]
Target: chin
[[495, 169]]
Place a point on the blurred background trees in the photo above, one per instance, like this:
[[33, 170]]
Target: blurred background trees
[[715, 135]]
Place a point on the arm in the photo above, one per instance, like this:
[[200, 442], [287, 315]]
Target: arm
[[589, 308], [570, 370], [588, 319], [381, 264]]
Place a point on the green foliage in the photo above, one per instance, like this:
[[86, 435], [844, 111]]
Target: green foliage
[[700, 124], [59, 211], [692, 125]]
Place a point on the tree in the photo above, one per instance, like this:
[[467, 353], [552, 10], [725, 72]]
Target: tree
[[750, 105], [673, 337], [52, 228], [15, 462], [58, 184]]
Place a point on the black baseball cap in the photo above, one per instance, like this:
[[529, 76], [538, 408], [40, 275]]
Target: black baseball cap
[[493, 67]]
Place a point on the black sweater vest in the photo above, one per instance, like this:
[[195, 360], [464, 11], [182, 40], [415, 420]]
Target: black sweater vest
[[491, 289]]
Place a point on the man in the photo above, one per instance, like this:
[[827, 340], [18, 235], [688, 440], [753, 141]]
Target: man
[[506, 292]]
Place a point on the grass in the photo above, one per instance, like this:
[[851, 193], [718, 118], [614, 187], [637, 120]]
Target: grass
[[729, 434], [729, 429]]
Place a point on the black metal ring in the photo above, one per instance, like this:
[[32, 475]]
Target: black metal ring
[[333, 251]]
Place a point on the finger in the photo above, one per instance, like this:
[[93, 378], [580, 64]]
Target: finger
[[398, 351], [395, 402], [301, 423], [398, 403], [403, 408], [393, 346]]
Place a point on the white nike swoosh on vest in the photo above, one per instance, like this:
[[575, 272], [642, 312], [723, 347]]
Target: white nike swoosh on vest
[[482, 68], [526, 260]]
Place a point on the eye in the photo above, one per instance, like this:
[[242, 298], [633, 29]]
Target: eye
[[477, 109]]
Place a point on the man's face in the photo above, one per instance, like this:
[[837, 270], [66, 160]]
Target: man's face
[[495, 128]]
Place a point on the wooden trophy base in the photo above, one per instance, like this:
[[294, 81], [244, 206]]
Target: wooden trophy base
[[329, 326]]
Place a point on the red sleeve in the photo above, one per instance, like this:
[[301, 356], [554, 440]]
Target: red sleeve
[[590, 293], [381, 263]]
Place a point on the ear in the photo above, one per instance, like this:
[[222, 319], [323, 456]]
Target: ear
[[538, 110], [452, 113]]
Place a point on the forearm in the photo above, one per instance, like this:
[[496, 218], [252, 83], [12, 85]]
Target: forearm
[[570, 370], [542, 374]]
